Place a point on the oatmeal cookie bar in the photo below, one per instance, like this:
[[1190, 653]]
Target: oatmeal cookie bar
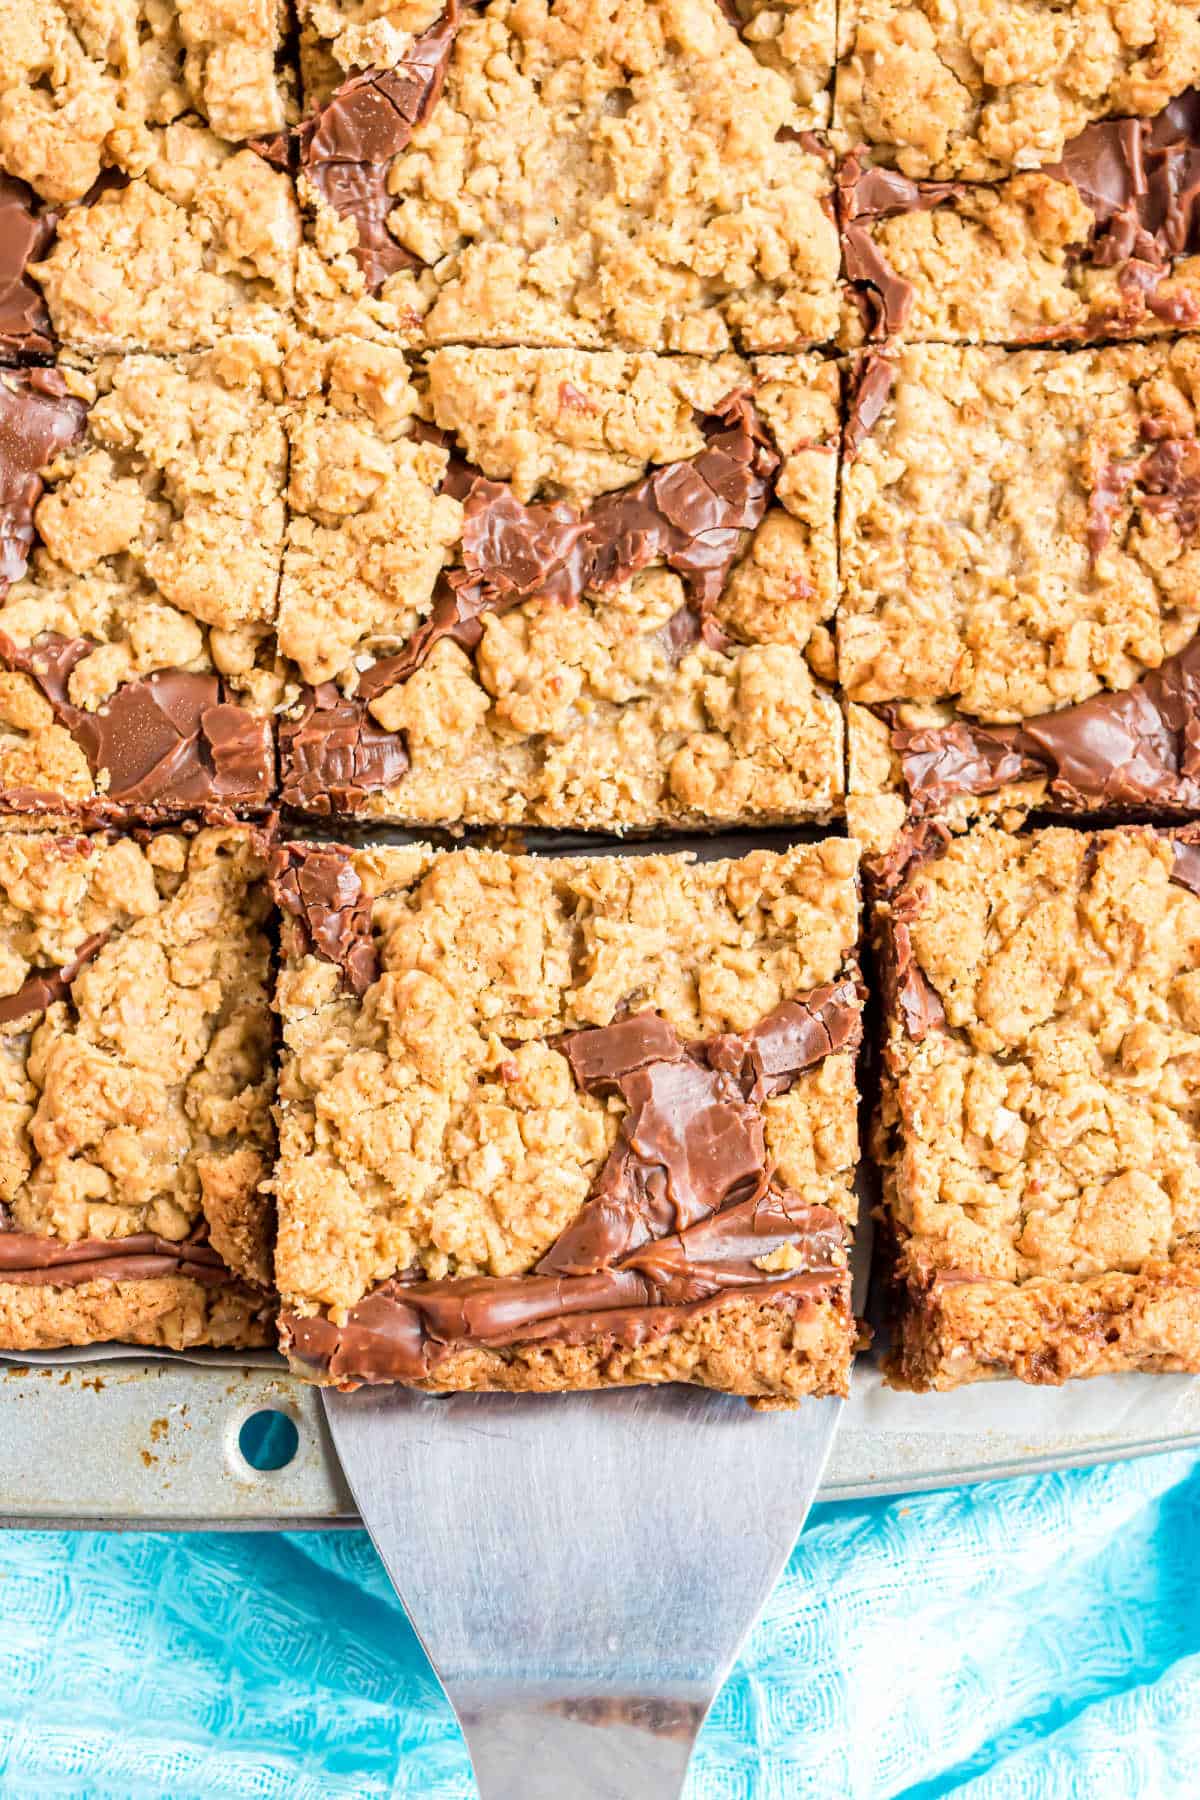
[[83, 86], [1104, 243], [200, 244], [611, 1135], [593, 173], [1020, 566], [141, 535], [135, 1090], [1040, 1116], [978, 90], [571, 588]]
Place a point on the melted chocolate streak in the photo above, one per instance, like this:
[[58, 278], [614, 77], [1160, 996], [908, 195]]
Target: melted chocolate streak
[[45, 987], [1138, 748], [691, 515], [677, 1217], [34, 1261], [1140, 178]]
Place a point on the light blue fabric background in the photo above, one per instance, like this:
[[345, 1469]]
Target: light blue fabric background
[[1029, 1640]]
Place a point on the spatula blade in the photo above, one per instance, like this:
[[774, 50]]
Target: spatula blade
[[581, 1568]]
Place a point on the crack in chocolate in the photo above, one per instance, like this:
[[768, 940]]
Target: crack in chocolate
[[26, 233], [335, 754], [169, 740], [867, 194], [45, 987], [692, 1137], [29, 1259], [1139, 747], [321, 890], [677, 1221], [692, 515], [348, 145]]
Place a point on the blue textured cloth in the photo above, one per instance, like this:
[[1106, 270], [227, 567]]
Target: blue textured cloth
[[1029, 1640]]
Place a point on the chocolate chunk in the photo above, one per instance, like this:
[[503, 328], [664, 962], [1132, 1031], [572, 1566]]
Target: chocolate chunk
[[1141, 180], [908, 993], [692, 1139], [1139, 747], [279, 149], [44, 987], [515, 551], [405, 1330], [681, 633], [1139, 283], [173, 740], [38, 419], [601, 1058], [50, 661], [335, 753], [169, 741], [1185, 868], [870, 384], [1168, 476], [320, 888], [26, 233], [31, 1260], [692, 515], [1107, 497], [768, 1058], [347, 147], [868, 194]]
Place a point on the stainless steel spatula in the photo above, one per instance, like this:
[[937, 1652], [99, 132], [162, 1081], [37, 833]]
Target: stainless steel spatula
[[581, 1568]]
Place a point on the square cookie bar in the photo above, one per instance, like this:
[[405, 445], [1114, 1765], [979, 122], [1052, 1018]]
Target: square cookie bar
[[611, 1131], [636, 174], [82, 86], [1040, 1126], [980, 89], [1104, 243], [1020, 565], [563, 588], [141, 536], [135, 1091], [202, 242]]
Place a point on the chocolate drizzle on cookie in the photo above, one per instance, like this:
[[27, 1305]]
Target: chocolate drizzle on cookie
[[678, 1222]]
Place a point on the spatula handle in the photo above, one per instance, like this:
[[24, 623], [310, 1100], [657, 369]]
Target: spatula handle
[[549, 1747]]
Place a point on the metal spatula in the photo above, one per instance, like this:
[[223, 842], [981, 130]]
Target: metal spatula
[[581, 1568]]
